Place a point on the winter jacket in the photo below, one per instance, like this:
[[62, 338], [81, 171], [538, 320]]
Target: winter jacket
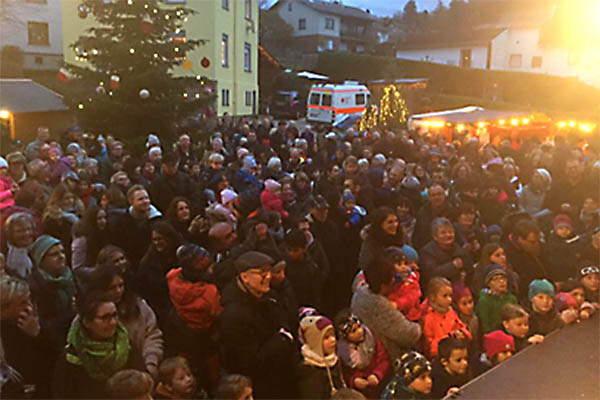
[[198, 304], [396, 332], [252, 344], [165, 188], [407, 296], [272, 202], [437, 326], [543, 324], [531, 201], [145, 336], [304, 276], [489, 309], [561, 255], [151, 283], [6, 195], [442, 380], [528, 267], [434, 261], [313, 382], [131, 234], [379, 366], [285, 296]]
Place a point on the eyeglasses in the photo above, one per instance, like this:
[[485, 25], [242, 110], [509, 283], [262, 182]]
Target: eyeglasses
[[262, 272], [108, 317]]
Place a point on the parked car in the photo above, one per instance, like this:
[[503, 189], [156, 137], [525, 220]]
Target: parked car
[[287, 104]]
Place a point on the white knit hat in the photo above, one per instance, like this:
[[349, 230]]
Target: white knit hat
[[228, 195]]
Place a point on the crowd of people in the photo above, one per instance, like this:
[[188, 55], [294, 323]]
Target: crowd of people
[[264, 261]]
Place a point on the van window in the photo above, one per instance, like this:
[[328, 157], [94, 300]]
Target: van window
[[360, 98], [326, 101], [314, 99]]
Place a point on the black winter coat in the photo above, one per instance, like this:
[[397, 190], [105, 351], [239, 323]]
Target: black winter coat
[[526, 266], [304, 277], [165, 188], [436, 262], [252, 345], [131, 234], [313, 382]]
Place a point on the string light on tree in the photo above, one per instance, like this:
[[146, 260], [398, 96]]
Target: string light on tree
[[369, 119], [393, 113], [144, 94]]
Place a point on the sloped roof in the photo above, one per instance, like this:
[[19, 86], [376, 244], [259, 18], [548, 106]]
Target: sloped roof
[[451, 39], [333, 7], [25, 95]]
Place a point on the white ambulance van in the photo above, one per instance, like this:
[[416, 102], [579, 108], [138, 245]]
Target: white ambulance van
[[329, 102]]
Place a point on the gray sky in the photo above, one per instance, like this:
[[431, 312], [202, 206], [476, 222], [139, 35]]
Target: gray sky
[[389, 7]]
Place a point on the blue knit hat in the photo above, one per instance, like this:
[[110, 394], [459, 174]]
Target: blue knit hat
[[410, 253], [348, 196], [538, 286], [40, 247]]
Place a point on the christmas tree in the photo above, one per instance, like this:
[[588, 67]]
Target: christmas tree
[[123, 81], [393, 113], [369, 118]]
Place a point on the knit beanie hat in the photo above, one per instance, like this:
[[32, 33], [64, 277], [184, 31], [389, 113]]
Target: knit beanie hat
[[562, 220], [228, 195], [492, 270], [242, 152], [249, 162], [313, 329], [347, 196], [193, 256], [586, 268], [40, 247], [565, 301], [538, 286], [545, 175], [272, 185], [493, 230], [395, 253], [496, 342], [410, 253], [3, 163], [152, 141], [411, 365], [460, 291]]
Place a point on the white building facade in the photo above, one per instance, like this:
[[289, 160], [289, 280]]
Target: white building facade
[[34, 26]]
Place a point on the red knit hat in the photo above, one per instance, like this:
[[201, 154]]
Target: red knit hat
[[496, 342], [565, 301], [562, 220]]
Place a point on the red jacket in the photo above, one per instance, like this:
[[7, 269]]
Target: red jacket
[[197, 304], [271, 202], [438, 326], [379, 366], [407, 296], [6, 196]]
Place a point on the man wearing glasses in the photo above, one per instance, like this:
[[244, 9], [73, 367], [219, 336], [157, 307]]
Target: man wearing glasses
[[255, 338]]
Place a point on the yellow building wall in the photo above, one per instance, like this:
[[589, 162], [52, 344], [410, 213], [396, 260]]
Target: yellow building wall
[[209, 23]]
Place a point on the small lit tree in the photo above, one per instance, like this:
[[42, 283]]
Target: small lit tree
[[393, 113], [369, 119]]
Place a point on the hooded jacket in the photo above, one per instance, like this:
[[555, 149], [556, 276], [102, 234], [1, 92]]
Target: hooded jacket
[[198, 304]]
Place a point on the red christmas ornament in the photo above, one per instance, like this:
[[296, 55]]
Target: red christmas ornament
[[147, 27], [83, 11], [115, 82], [64, 75], [205, 62]]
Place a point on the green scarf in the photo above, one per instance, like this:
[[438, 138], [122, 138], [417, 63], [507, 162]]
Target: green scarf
[[65, 284], [101, 360]]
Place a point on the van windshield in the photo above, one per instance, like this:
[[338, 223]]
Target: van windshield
[[326, 100]]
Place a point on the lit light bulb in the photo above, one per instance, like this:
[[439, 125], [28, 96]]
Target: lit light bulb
[[131, 51], [80, 106]]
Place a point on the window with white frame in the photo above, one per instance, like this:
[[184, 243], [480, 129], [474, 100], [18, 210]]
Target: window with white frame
[[329, 23], [225, 97], [302, 24], [249, 98], [225, 50], [247, 57], [516, 61]]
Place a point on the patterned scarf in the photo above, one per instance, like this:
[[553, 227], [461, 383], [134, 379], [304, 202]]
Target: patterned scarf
[[65, 286]]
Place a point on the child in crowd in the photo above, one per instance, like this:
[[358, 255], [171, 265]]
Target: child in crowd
[[465, 306], [561, 249], [566, 303], [235, 387], [271, 200], [543, 316], [354, 214], [450, 370], [498, 346], [176, 381], [364, 360], [412, 379], [493, 298], [439, 319], [319, 375], [406, 292], [589, 276], [227, 206], [576, 289], [515, 322], [130, 384]]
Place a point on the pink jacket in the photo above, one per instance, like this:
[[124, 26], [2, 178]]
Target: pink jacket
[[6, 196], [271, 202], [407, 296]]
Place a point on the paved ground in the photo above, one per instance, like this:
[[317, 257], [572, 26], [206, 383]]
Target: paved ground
[[565, 366]]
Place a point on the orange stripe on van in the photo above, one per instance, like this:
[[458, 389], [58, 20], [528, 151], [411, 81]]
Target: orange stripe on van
[[339, 90], [349, 110]]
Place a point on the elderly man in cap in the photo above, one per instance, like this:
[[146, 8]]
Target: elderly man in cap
[[255, 338]]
